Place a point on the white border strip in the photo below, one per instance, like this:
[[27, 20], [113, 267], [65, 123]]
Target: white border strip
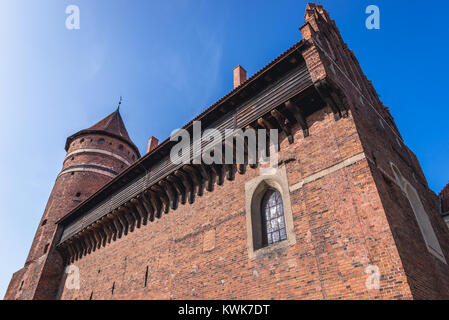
[[97, 151], [96, 170]]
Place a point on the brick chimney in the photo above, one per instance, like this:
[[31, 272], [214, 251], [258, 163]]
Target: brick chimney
[[152, 144], [239, 76]]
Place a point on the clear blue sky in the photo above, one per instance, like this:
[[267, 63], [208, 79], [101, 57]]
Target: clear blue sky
[[172, 59]]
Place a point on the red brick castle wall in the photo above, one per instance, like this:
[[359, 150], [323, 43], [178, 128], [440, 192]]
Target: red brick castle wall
[[383, 146]]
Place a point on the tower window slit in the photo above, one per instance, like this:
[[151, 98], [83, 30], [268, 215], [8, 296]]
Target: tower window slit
[[146, 277]]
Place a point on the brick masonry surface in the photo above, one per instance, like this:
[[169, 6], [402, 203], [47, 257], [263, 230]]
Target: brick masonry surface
[[200, 251]]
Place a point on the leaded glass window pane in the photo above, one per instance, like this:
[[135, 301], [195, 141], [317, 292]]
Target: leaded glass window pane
[[273, 218]]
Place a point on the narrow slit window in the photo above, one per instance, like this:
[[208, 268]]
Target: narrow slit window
[[146, 277]]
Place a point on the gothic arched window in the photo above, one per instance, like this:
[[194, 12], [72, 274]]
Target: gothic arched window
[[274, 230]]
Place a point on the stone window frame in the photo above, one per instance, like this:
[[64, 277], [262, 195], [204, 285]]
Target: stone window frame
[[421, 216], [255, 190]]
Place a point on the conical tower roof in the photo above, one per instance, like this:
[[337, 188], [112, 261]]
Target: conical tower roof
[[112, 125]]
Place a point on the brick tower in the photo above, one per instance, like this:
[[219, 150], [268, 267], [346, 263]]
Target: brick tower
[[94, 157]]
